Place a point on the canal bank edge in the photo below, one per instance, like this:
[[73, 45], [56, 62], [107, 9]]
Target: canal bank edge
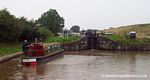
[[81, 44], [13, 55], [8, 57], [103, 43]]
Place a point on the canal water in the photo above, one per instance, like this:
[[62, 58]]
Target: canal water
[[83, 65]]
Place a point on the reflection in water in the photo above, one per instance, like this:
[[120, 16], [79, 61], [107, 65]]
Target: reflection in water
[[33, 72], [28, 73], [8, 69], [81, 67]]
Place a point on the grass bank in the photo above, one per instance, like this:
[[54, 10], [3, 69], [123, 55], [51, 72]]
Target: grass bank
[[61, 39], [142, 30], [9, 48], [125, 40]]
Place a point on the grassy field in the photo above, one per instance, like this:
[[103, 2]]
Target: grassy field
[[142, 30], [125, 40], [61, 39], [9, 48]]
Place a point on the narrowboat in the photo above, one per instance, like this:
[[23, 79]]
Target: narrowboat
[[38, 52]]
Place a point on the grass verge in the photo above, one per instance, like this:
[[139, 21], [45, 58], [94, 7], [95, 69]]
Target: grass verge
[[124, 40], [9, 48], [61, 39]]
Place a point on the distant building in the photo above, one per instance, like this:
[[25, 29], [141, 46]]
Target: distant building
[[108, 33], [132, 34], [83, 33], [75, 34], [64, 33], [60, 34]]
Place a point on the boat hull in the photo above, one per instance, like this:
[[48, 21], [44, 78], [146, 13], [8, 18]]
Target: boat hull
[[40, 59]]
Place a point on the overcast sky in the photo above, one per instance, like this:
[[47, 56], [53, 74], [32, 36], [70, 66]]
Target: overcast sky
[[93, 14]]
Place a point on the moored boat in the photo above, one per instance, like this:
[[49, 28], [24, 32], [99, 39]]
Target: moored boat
[[38, 52]]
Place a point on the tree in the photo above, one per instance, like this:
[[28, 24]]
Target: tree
[[29, 29], [75, 28], [14, 29], [10, 29], [43, 32], [52, 21]]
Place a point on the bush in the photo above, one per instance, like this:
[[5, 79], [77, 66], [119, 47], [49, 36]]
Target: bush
[[28, 33], [43, 32]]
